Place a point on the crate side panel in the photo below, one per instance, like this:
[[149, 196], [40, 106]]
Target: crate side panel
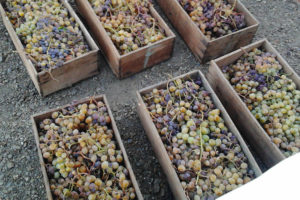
[[69, 74]]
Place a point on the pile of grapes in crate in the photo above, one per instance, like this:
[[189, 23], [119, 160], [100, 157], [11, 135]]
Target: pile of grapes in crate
[[207, 157], [215, 18], [270, 95], [49, 34], [81, 156], [128, 23]]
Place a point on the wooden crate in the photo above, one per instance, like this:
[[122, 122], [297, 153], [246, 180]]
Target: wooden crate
[[204, 49], [36, 119], [243, 118], [71, 72], [157, 143], [135, 61]]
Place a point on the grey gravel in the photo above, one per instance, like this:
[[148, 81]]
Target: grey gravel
[[20, 174]]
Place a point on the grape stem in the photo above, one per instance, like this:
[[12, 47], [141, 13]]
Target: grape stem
[[245, 52], [201, 153], [234, 5], [233, 22]]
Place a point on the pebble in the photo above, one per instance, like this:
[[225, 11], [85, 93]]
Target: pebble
[[118, 118], [15, 176], [156, 185], [10, 165], [138, 163], [162, 192]]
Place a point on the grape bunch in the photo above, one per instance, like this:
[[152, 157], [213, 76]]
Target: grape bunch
[[270, 95], [128, 23], [215, 18], [49, 34], [207, 157], [81, 156]]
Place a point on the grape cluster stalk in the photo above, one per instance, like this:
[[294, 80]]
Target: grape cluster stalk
[[81, 155], [207, 157], [128, 23], [49, 34], [215, 18], [270, 95]]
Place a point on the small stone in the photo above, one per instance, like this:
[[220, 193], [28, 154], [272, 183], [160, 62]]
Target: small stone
[[16, 176], [10, 165], [156, 185], [162, 192], [15, 147], [118, 118], [138, 163]]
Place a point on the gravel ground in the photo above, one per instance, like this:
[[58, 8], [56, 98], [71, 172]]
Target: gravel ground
[[20, 174]]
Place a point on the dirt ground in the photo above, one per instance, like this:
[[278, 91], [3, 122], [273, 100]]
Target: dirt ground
[[20, 174]]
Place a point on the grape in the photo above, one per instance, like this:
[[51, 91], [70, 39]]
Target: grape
[[270, 95], [49, 34], [128, 23], [215, 18], [83, 160], [205, 154]]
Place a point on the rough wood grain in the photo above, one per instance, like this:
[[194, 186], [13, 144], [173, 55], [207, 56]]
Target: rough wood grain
[[243, 118], [158, 146], [36, 119], [135, 61], [71, 72], [203, 48]]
